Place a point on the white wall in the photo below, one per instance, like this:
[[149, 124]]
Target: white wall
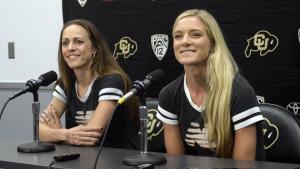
[[34, 26]]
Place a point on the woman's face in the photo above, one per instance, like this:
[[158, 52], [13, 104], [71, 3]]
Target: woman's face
[[77, 48], [190, 41]]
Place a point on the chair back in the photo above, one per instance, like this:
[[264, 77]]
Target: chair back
[[281, 134], [154, 127]]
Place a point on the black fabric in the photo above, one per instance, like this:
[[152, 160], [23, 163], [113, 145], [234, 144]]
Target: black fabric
[[281, 134], [274, 73], [122, 132], [176, 108]]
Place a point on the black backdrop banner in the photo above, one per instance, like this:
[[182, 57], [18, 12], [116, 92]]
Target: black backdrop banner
[[263, 36]]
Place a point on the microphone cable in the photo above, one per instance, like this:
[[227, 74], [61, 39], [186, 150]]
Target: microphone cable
[[2, 110], [104, 135], [51, 164]]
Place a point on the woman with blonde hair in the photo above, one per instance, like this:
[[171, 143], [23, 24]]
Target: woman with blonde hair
[[90, 84], [210, 109]]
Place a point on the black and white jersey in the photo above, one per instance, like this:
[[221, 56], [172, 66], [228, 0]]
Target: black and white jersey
[[79, 110], [177, 108]]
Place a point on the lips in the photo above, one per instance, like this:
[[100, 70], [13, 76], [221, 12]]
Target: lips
[[72, 56]]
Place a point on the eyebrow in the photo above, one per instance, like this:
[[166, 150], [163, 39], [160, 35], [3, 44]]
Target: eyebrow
[[66, 38]]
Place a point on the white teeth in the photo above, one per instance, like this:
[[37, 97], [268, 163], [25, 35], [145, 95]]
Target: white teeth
[[187, 51], [72, 56]]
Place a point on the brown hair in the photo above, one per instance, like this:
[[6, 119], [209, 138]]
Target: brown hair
[[103, 63]]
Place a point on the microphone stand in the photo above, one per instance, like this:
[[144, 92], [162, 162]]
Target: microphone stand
[[36, 146], [144, 157]]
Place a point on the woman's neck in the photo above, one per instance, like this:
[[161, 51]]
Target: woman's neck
[[196, 83], [83, 80], [196, 76], [84, 77]]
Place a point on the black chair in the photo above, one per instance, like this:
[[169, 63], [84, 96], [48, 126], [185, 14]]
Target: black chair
[[154, 127], [281, 134]]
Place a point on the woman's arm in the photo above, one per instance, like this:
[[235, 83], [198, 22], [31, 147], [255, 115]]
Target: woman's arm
[[245, 143], [102, 114], [173, 141], [52, 131]]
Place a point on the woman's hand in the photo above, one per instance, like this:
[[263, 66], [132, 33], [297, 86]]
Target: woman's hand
[[50, 118], [83, 135]]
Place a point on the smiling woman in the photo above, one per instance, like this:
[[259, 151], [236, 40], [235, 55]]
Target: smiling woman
[[89, 86], [210, 109], [185, 35], [77, 48]]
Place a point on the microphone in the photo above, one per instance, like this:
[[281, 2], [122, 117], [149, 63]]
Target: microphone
[[139, 87], [44, 80], [33, 85]]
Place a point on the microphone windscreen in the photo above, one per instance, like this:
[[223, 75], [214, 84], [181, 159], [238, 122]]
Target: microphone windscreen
[[48, 78], [156, 75]]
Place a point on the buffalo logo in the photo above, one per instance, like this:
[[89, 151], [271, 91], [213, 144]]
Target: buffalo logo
[[159, 43], [271, 133], [154, 126], [260, 99], [263, 42], [125, 47], [294, 107], [82, 2]]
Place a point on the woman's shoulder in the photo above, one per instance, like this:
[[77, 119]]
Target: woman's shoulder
[[240, 82], [109, 78], [173, 85], [113, 80]]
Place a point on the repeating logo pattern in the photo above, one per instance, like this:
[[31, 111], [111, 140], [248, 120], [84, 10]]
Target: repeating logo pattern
[[299, 35], [260, 99], [126, 47], [154, 126], [262, 41], [82, 2], [159, 43], [294, 107], [271, 133]]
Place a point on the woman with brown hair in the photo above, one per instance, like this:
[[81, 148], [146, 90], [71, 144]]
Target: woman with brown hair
[[89, 86]]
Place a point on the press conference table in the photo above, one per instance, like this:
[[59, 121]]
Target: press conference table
[[111, 158]]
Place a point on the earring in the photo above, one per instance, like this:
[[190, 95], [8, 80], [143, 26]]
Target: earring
[[94, 55]]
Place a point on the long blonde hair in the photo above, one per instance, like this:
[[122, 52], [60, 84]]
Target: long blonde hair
[[221, 69]]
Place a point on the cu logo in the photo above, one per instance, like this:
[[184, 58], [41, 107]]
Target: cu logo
[[126, 47], [294, 107], [154, 126], [262, 42]]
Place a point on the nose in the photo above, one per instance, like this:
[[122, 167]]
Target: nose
[[186, 40], [71, 46]]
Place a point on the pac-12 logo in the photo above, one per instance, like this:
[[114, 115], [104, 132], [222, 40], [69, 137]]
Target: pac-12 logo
[[82, 2], [159, 43]]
